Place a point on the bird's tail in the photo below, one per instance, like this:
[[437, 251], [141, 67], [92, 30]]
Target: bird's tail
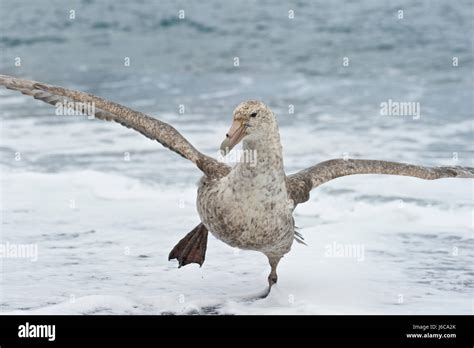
[[299, 238]]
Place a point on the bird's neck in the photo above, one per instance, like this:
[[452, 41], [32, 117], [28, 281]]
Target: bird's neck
[[262, 154]]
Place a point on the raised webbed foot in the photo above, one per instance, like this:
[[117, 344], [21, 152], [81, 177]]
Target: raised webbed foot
[[192, 248]]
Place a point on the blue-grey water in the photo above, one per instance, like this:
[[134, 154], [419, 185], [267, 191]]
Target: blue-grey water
[[296, 63]]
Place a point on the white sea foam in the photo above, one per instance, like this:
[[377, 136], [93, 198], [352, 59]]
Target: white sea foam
[[108, 253]]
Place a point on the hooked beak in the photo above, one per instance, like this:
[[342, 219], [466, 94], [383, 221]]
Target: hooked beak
[[233, 137]]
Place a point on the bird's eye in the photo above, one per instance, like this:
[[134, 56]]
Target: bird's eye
[[253, 114]]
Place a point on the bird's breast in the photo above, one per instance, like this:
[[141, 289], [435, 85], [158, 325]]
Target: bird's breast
[[248, 215]]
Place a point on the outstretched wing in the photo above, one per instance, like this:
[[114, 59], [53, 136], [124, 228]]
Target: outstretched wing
[[300, 184], [150, 127]]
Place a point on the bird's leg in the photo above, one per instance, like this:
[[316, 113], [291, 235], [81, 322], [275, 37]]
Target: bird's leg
[[192, 248], [273, 277]]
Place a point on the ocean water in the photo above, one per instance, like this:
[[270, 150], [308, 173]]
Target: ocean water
[[104, 205]]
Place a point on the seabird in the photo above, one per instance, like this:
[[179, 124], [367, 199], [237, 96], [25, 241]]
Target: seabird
[[250, 205]]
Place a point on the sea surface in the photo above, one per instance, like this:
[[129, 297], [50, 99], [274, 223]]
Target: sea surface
[[105, 205]]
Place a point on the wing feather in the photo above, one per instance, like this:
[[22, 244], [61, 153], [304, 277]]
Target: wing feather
[[300, 184], [107, 110]]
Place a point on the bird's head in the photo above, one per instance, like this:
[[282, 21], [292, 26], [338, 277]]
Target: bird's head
[[250, 117]]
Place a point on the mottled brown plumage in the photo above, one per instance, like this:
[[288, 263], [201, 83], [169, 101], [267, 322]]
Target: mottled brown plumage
[[106, 110], [248, 207], [300, 184]]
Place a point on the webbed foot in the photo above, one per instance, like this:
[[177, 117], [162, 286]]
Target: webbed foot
[[192, 248]]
